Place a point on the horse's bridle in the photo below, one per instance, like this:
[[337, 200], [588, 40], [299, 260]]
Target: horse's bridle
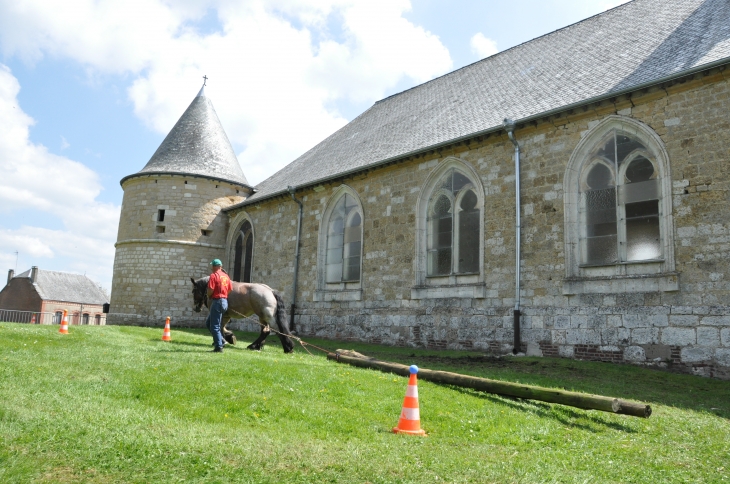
[[204, 300]]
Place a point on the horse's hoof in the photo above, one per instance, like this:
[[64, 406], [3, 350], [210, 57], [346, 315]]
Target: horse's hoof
[[230, 338], [253, 348]]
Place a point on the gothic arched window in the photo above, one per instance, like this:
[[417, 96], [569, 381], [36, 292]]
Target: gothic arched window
[[618, 211], [453, 227], [449, 259], [243, 253], [344, 241], [620, 203]]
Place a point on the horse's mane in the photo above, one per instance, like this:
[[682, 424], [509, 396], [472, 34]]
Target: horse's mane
[[202, 282]]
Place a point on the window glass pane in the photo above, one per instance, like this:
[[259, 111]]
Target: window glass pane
[[355, 220], [598, 210], [443, 233], [440, 224], [639, 170], [608, 149], [601, 250], [642, 209], [469, 241], [468, 201], [248, 257], [352, 234], [336, 226], [642, 238], [352, 249], [334, 256], [439, 262], [349, 202], [637, 192], [599, 242], [625, 146], [642, 231], [334, 241], [237, 259], [352, 268], [459, 181], [599, 177], [447, 181], [334, 272], [442, 206]]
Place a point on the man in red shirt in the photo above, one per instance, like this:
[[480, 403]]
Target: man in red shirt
[[219, 285]]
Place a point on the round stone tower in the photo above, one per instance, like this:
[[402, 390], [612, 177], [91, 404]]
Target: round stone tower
[[171, 223]]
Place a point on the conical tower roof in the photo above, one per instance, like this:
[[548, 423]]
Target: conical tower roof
[[197, 145]]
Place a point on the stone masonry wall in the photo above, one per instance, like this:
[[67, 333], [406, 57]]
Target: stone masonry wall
[[152, 268], [688, 329]]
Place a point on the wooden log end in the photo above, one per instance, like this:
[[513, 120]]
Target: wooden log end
[[634, 409]]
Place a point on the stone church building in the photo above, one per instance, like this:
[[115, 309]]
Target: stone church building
[[594, 225]]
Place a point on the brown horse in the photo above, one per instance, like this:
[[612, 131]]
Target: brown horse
[[243, 301]]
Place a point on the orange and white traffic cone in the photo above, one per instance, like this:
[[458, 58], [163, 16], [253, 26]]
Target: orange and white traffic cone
[[32, 319], [166, 331], [410, 417], [64, 323]]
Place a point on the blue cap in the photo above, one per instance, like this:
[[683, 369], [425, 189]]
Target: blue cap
[[216, 262], [414, 369]]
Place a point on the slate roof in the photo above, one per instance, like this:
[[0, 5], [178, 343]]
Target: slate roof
[[197, 145], [640, 42], [66, 287]]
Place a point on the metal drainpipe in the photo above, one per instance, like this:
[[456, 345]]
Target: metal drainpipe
[[509, 126], [296, 259]]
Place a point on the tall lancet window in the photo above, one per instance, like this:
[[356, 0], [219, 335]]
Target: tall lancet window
[[344, 241], [620, 203], [453, 227], [243, 253]]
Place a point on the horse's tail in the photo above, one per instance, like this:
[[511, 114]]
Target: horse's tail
[[283, 324], [281, 319]]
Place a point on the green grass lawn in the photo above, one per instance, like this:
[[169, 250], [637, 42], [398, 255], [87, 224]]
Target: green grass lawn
[[116, 404]]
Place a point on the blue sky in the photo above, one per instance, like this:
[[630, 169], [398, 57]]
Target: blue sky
[[88, 90]]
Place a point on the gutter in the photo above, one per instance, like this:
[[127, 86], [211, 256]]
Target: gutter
[[509, 127], [296, 259], [494, 129]]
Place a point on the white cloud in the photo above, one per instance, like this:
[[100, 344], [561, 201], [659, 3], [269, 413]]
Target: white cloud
[[483, 46], [64, 143], [276, 69], [35, 179]]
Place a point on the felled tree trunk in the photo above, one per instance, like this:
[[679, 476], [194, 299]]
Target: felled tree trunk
[[573, 399]]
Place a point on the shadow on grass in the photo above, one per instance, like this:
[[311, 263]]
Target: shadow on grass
[[561, 413]]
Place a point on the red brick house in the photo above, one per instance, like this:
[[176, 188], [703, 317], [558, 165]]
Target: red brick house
[[46, 294]]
